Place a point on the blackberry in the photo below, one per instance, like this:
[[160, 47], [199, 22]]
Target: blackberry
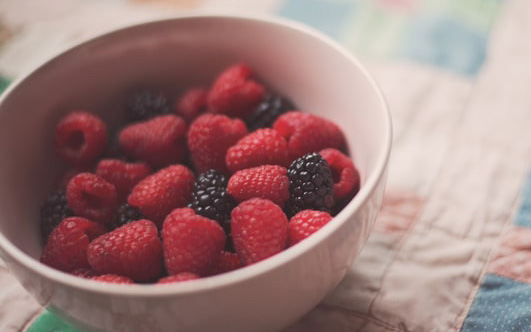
[[311, 185], [265, 114], [210, 198], [146, 104], [229, 245], [124, 214], [53, 210], [113, 150]]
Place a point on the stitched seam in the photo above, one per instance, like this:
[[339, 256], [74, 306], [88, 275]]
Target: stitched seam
[[370, 319], [412, 228], [31, 319], [460, 319], [510, 278], [397, 250]]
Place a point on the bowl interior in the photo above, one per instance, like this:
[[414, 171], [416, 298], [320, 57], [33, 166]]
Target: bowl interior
[[172, 55]]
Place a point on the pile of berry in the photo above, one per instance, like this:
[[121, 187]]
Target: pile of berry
[[225, 177]]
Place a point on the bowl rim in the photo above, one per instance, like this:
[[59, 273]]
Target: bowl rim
[[245, 273]]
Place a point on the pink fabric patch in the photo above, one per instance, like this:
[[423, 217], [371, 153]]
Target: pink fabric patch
[[399, 210], [512, 259], [404, 5]]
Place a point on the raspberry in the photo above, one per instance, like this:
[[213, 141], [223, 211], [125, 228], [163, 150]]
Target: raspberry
[[133, 250], [191, 242], [308, 133], [345, 175], [262, 147], [124, 176], [210, 198], [265, 114], [227, 261], [80, 137], [310, 184], [259, 230], [83, 273], [234, 93], [113, 279], [183, 276], [267, 181], [124, 214], [305, 223], [160, 193], [66, 248], [92, 197], [159, 141], [145, 104], [209, 138], [54, 209], [192, 103]]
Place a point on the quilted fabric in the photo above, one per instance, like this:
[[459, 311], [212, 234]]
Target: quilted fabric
[[451, 247]]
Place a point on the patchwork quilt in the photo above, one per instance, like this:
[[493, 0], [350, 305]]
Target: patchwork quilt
[[451, 249]]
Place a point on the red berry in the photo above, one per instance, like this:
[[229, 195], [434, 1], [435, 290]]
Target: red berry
[[83, 273], [191, 243], [90, 196], [158, 194], [183, 276], [113, 279], [209, 138], [227, 261], [267, 181], [305, 223], [80, 137], [133, 250], [234, 93], [159, 141], [308, 133], [66, 248], [192, 103], [262, 147], [345, 174], [259, 230], [124, 176]]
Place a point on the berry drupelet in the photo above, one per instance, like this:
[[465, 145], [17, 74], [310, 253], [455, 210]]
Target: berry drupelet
[[54, 209], [146, 104], [210, 198], [311, 184], [265, 114], [124, 214]]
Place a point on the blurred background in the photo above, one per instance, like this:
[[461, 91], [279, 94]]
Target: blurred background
[[451, 250], [451, 34]]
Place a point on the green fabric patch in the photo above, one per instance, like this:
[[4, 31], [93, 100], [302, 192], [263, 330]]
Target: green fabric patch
[[48, 322], [4, 82]]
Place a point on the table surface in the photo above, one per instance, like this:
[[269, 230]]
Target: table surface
[[451, 249]]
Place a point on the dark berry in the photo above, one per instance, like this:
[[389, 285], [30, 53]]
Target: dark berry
[[146, 104], [113, 150], [124, 214], [311, 184], [210, 198], [229, 245], [265, 114], [54, 209]]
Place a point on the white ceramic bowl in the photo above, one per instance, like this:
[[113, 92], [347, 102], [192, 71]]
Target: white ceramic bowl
[[314, 72]]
